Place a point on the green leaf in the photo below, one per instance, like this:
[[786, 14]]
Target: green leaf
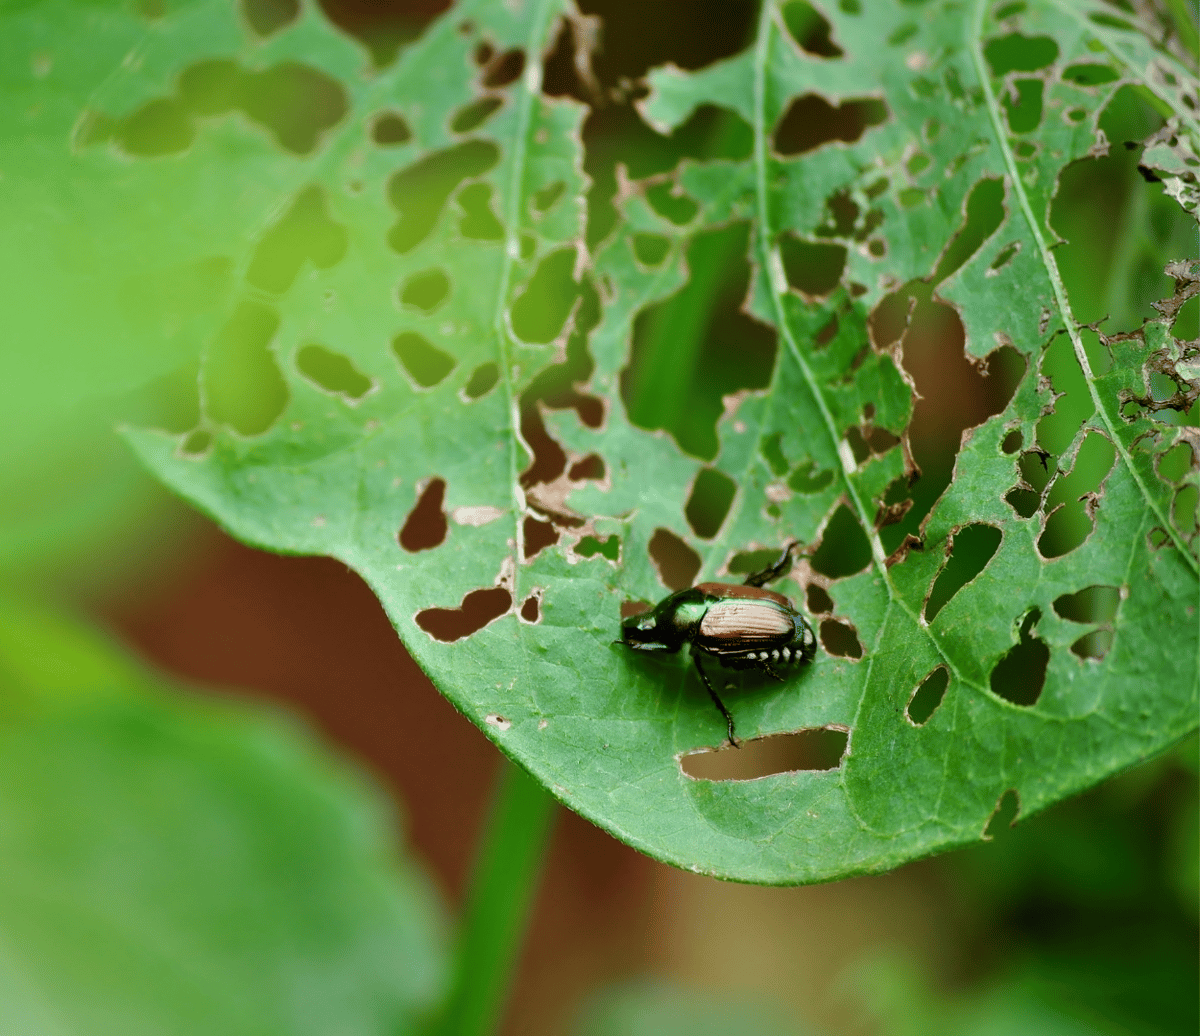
[[937, 189], [657, 1009], [174, 865]]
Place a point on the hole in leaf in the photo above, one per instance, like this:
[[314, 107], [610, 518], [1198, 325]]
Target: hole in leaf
[[160, 127], [858, 445], [1070, 503], [478, 221], [478, 608], [504, 69], [549, 460], [810, 749], [1023, 501], [671, 204], [530, 610], [483, 380], [1020, 675], [333, 372], [984, 214], [747, 561], [1035, 469], [545, 199], [590, 546], [306, 232], [928, 696], [473, 115], [420, 191], [808, 480], [295, 102], [1187, 320], [1184, 509], [819, 602], [827, 333], [389, 130], [810, 29], [811, 121], [1005, 11], [1004, 816], [973, 546], [484, 52], [383, 28], [542, 308], [839, 639], [1095, 644], [212, 87], [197, 443], [629, 608], [1024, 111], [269, 16], [650, 249], [243, 386], [954, 393], [425, 527], [1013, 441], [425, 363], [697, 346], [842, 215], [771, 448], [1005, 257], [590, 468], [709, 502], [1092, 604], [903, 34], [538, 536], [425, 290], [844, 548], [676, 562], [1017, 53], [918, 163], [812, 268]]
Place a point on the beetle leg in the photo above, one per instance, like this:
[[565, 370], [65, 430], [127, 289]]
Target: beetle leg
[[716, 701], [780, 568], [767, 667]]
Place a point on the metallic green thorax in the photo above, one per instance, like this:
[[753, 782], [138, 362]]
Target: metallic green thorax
[[668, 626]]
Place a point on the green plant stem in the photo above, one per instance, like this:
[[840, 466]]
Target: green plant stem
[[1181, 14], [506, 874]]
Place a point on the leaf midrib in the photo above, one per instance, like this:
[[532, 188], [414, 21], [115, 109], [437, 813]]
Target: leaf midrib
[[772, 262]]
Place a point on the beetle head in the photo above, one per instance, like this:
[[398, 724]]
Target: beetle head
[[651, 631]]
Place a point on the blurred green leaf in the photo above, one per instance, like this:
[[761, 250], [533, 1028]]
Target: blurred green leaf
[[929, 168], [175, 865], [658, 1009]]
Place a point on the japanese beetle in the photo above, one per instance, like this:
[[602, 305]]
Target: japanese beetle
[[742, 626]]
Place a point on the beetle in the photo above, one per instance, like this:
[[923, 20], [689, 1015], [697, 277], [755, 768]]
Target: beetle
[[742, 626]]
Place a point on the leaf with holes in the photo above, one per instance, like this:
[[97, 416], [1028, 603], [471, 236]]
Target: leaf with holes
[[550, 437], [175, 865]]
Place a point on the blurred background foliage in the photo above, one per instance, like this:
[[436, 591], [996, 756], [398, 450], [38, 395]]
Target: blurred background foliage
[[177, 861]]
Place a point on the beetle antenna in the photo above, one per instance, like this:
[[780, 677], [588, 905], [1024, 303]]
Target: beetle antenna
[[717, 701]]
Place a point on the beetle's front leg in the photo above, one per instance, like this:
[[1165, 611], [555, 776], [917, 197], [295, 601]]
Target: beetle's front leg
[[716, 701], [777, 570]]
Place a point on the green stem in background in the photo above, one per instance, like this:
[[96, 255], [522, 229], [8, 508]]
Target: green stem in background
[[503, 883], [662, 384], [1181, 14]]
